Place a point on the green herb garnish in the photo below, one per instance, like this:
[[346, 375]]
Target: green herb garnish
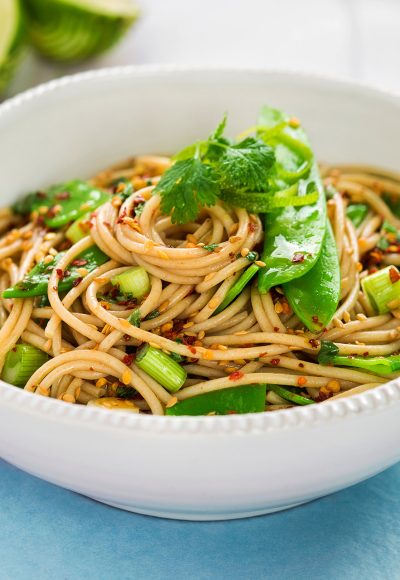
[[209, 170]]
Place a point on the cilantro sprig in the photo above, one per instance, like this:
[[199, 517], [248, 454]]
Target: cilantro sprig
[[209, 170]]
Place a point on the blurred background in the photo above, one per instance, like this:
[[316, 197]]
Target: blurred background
[[358, 39]]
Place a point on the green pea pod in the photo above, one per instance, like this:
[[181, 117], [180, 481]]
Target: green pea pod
[[244, 399], [36, 281], [66, 202], [293, 235], [314, 297]]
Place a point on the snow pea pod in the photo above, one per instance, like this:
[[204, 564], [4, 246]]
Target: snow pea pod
[[65, 202], [314, 297], [243, 399], [293, 235], [36, 282]]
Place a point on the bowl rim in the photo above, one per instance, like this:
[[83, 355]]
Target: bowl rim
[[380, 397]]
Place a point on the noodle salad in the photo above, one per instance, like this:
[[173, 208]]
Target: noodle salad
[[236, 277]]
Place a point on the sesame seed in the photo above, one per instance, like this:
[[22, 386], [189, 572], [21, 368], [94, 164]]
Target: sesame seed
[[222, 347], [126, 377], [163, 306], [361, 316], [68, 398], [188, 325], [234, 239], [171, 402], [333, 386], [101, 383], [346, 316], [163, 254], [213, 303], [260, 263], [154, 345], [201, 335], [337, 323], [244, 252]]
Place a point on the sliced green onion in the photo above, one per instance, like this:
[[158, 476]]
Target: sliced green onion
[[383, 289], [289, 396], [134, 281], [79, 229], [20, 364], [161, 367], [357, 212], [381, 365], [234, 400], [238, 287]]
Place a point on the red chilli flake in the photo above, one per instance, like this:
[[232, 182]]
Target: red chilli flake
[[60, 273], [394, 275], [128, 359], [276, 329], [77, 282], [79, 262], [297, 258], [251, 227], [192, 349], [63, 195], [121, 217], [275, 361], [236, 375]]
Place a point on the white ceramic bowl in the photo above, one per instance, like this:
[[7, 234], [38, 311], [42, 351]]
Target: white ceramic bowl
[[194, 467]]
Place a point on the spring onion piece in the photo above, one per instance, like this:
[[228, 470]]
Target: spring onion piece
[[238, 287], [231, 401], [79, 229], [134, 281], [357, 212], [20, 364], [36, 282], [12, 32], [73, 30], [381, 365], [161, 367], [383, 289], [289, 395], [63, 203]]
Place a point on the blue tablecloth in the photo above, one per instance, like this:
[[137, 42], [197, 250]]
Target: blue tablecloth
[[49, 533]]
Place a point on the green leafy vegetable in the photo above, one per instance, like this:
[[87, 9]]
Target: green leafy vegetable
[[209, 170], [293, 235], [357, 212], [186, 187], [36, 282], [65, 203], [381, 365], [210, 247], [314, 297], [328, 351], [135, 318], [289, 395], [234, 400]]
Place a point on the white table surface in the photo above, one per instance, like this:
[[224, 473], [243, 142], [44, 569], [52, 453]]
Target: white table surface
[[358, 39]]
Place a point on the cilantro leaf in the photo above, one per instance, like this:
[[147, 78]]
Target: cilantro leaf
[[188, 185], [219, 131], [246, 164]]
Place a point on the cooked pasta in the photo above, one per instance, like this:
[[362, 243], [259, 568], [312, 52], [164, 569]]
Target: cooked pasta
[[91, 332]]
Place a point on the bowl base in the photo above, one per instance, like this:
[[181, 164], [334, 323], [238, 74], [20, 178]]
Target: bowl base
[[200, 516]]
